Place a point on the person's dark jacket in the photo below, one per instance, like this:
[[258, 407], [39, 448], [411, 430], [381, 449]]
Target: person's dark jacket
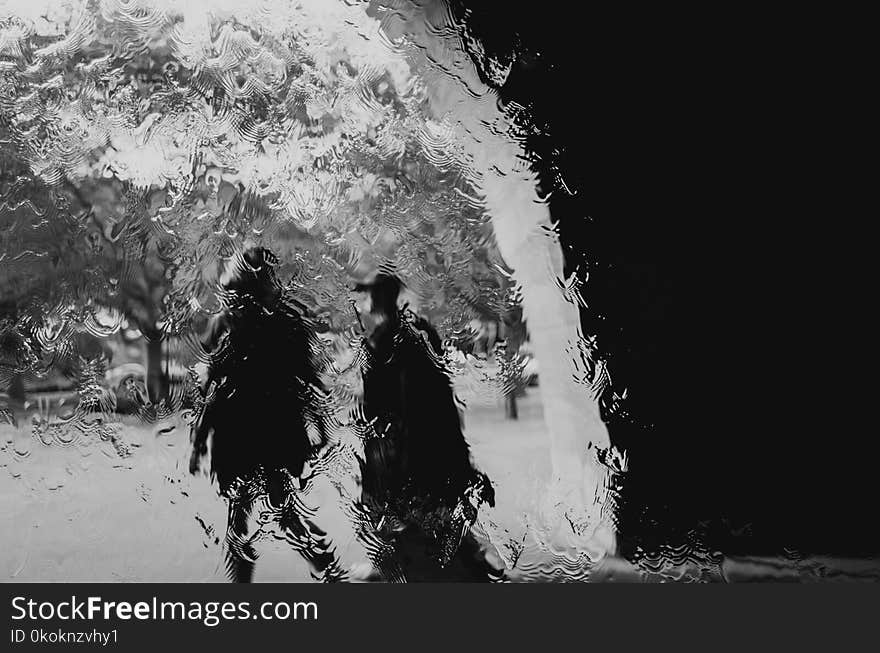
[[263, 394], [417, 454]]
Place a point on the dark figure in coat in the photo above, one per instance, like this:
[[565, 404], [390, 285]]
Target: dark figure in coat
[[262, 408], [417, 472]]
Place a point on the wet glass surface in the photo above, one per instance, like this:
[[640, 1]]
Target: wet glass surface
[[296, 291]]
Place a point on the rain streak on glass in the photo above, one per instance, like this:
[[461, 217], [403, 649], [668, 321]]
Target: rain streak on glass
[[281, 301]]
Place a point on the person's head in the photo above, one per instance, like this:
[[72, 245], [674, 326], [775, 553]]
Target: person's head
[[376, 300], [252, 272], [213, 177]]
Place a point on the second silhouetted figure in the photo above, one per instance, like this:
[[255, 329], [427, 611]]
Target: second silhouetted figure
[[417, 470]]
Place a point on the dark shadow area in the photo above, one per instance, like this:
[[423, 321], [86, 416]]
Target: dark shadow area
[[665, 161]]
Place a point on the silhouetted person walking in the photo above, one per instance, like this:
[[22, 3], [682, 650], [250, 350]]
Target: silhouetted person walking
[[417, 471], [263, 410]]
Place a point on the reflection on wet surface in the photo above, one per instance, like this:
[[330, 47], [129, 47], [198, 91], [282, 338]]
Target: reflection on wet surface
[[282, 298]]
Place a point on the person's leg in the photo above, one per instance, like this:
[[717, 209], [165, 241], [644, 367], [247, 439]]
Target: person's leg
[[473, 563], [324, 561], [240, 553], [297, 528], [379, 546]]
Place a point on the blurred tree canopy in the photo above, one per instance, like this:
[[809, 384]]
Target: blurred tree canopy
[[142, 143]]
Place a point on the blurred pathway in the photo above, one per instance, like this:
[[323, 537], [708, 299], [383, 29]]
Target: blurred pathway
[[82, 515]]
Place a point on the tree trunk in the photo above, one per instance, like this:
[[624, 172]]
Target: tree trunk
[[157, 381], [575, 504], [510, 410], [16, 389], [526, 239]]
